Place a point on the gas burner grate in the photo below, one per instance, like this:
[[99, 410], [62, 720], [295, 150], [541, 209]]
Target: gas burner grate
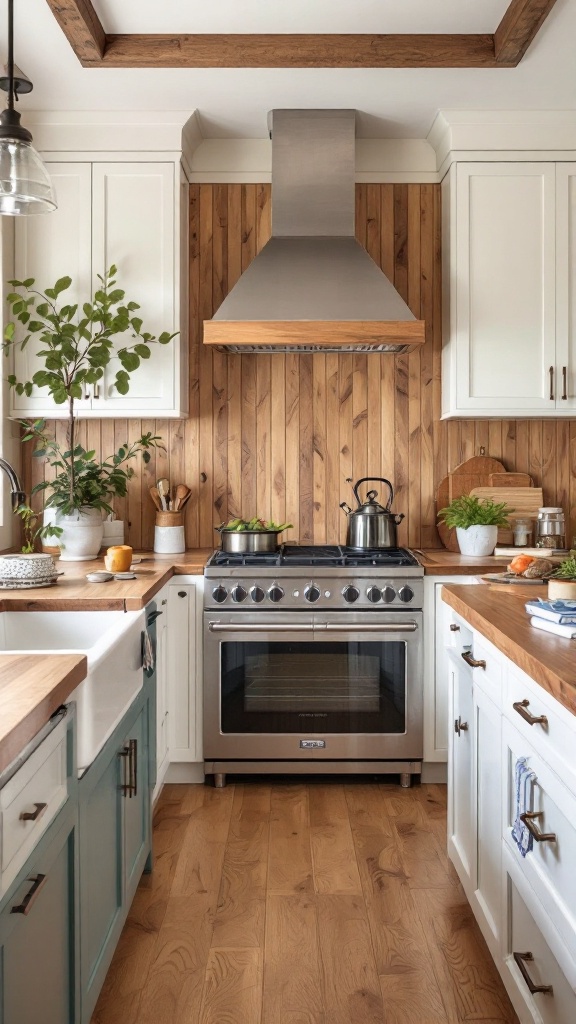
[[317, 555]]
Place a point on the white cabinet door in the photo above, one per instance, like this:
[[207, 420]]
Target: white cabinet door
[[134, 228], [488, 818], [184, 677], [461, 823], [437, 640], [565, 382], [49, 247], [162, 715], [501, 260]]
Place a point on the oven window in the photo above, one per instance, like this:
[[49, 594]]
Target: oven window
[[336, 687]]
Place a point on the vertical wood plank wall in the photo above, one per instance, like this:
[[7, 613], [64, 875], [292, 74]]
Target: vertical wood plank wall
[[278, 435]]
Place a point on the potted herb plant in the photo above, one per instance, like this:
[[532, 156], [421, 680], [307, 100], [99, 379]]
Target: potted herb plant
[[75, 344], [476, 521], [562, 582]]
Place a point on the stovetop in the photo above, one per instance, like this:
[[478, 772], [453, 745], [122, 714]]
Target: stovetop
[[323, 556], [322, 577]]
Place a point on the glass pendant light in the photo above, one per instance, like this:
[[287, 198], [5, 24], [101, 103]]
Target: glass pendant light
[[25, 185]]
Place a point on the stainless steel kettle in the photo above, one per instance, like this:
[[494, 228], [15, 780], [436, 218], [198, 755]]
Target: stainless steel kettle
[[371, 525]]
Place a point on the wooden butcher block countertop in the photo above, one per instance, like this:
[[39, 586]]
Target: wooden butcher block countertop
[[74, 592], [440, 562], [32, 687], [498, 613]]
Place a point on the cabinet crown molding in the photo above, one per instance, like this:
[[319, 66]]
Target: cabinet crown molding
[[457, 132]]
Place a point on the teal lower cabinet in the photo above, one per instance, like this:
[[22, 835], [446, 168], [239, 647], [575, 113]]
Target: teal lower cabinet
[[115, 843], [38, 933]]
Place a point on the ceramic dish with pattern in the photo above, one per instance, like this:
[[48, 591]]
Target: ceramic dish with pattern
[[27, 584], [27, 566]]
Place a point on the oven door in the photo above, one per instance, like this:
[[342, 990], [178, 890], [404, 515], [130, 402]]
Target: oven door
[[309, 686]]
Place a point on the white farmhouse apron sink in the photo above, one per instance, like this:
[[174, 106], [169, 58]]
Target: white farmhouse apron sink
[[110, 640]]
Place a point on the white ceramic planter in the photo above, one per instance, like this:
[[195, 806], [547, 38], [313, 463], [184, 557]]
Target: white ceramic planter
[[82, 537], [477, 540]]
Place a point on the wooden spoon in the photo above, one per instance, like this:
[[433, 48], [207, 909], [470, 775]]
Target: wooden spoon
[[180, 496], [184, 495], [156, 498]]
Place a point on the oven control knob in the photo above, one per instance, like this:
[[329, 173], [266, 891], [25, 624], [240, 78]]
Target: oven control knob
[[350, 594], [257, 594], [388, 594], [406, 594], [275, 594], [311, 592], [238, 594], [220, 594], [373, 594]]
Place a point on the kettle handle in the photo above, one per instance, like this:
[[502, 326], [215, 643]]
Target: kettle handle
[[375, 479]]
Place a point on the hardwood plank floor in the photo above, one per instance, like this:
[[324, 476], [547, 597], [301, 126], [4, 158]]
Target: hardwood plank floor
[[302, 903]]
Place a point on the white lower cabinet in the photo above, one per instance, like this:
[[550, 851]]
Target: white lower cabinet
[[162, 716], [184, 691], [525, 906]]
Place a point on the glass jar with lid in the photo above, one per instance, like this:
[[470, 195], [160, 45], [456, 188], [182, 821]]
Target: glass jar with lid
[[523, 532], [551, 528]]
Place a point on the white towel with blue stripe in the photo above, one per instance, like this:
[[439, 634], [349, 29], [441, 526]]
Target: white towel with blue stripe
[[524, 779], [148, 659]]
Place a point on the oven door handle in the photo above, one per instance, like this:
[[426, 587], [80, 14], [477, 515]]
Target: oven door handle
[[254, 627], [368, 627]]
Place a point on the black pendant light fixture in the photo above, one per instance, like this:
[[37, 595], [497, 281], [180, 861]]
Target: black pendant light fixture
[[25, 185]]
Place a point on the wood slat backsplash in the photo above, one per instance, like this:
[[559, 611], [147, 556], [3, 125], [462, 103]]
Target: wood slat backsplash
[[278, 435]]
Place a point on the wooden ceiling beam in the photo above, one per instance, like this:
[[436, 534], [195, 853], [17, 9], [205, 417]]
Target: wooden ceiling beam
[[520, 24], [82, 28], [94, 48], [299, 51]]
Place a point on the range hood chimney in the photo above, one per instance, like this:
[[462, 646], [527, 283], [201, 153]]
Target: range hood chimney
[[313, 287]]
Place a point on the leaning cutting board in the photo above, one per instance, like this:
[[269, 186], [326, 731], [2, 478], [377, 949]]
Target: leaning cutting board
[[524, 500], [510, 480], [475, 472]]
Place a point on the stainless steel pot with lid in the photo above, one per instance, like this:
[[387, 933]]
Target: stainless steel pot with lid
[[371, 525]]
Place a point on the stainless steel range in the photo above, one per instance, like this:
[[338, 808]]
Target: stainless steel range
[[313, 662]]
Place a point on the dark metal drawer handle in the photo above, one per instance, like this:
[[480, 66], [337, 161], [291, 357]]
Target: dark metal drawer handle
[[454, 628], [473, 662], [129, 755], [33, 815], [551, 372], [529, 818], [564, 385], [27, 903], [460, 726], [521, 705], [532, 988]]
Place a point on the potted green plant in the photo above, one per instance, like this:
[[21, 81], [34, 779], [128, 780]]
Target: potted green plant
[[562, 582], [75, 344], [476, 521]]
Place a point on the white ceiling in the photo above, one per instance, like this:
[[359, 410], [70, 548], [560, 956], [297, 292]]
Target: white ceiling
[[393, 103]]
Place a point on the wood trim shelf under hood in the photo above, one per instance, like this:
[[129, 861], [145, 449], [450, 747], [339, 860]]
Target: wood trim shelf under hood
[[277, 336]]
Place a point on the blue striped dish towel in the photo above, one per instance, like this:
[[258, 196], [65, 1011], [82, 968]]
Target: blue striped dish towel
[[524, 779], [148, 659]]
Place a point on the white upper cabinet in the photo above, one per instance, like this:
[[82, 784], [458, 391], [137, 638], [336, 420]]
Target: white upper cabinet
[[508, 270], [131, 214]]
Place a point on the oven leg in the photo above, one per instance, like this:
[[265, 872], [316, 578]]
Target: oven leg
[[405, 780], [219, 780]]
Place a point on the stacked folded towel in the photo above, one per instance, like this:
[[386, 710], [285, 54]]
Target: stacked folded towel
[[524, 779], [557, 617]]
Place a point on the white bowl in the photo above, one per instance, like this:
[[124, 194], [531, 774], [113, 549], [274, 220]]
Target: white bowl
[[27, 567]]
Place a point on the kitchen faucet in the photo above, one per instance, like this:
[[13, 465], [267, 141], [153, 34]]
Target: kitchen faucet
[[18, 496]]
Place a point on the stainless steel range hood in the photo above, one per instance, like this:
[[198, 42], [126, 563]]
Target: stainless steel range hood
[[313, 287]]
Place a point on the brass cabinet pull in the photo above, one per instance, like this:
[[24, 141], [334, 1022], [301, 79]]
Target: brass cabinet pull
[[521, 705], [27, 903], [86, 393], [129, 755], [564, 384], [460, 726], [551, 372], [529, 818], [520, 959], [96, 391], [454, 628], [473, 662]]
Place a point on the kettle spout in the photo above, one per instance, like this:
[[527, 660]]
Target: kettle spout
[[346, 508], [398, 518]]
